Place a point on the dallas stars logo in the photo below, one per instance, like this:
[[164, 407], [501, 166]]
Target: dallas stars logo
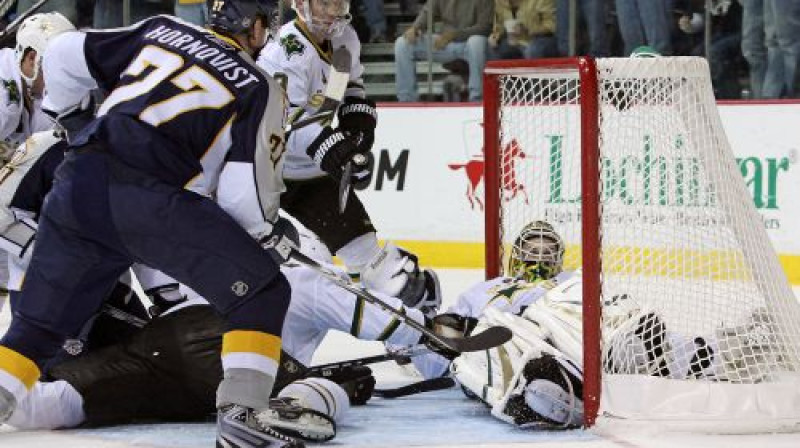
[[292, 45], [13, 91]]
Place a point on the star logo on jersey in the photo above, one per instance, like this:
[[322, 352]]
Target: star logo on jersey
[[13, 91], [292, 45], [240, 288]]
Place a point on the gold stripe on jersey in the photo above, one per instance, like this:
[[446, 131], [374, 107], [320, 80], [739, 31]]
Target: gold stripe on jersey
[[392, 327], [245, 341], [358, 317], [19, 366], [227, 40], [325, 51]]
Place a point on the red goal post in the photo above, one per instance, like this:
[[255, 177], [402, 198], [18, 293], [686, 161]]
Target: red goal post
[[586, 71], [627, 158]]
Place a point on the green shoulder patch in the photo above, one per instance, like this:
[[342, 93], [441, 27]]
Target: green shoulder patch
[[292, 45], [13, 91]]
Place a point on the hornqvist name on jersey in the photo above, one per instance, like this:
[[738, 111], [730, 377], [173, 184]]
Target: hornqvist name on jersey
[[191, 45]]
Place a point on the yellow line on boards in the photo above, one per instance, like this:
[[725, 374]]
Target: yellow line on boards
[[457, 254]]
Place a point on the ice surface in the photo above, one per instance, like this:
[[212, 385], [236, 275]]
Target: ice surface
[[440, 419]]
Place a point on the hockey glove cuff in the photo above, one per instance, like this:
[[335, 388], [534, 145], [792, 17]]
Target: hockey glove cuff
[[358, 117], [331, 150], [281, 241]]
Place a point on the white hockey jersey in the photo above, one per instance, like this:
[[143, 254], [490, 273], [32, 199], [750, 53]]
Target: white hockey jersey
[[504, 293], [17, 122], [305, 65]]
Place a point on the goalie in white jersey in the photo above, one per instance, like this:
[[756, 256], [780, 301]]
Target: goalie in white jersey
[[535, 380], [302, 56]]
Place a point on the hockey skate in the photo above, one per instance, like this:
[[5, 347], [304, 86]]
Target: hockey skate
[[241, 427]]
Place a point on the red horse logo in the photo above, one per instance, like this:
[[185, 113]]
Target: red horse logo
[[509, 182]]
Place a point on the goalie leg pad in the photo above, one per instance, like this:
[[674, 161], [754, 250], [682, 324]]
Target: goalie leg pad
[[554, 390]]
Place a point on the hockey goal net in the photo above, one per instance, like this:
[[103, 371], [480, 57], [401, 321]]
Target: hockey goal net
[[628, 160]]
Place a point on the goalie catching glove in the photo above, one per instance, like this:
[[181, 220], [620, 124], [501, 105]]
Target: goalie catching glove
[[333, 149]]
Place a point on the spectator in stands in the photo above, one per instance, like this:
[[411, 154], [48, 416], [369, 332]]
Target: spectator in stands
[[466, 25], [770, 44], [372, 10], [593, 13], [108, 13], [523, 28], [192, 11], [724, 56], [645, 22], [68, 8]]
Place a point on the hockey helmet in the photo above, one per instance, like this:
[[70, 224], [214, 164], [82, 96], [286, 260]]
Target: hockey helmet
[[35, 33], [537, 253], [327, 18], [237, 16]]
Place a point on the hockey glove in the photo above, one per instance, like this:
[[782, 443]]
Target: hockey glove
[[332, 150], [280, 242], [358, 117]]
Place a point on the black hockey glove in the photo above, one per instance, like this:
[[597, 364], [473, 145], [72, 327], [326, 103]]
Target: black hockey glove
[[449, 325], [280, 242], [332, 150], [358, 117]]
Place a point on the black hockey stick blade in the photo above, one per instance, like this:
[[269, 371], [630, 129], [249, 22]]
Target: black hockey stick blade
[[419, 387], [489, 338]]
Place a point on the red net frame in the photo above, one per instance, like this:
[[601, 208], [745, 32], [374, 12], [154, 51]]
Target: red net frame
[[586, 69]]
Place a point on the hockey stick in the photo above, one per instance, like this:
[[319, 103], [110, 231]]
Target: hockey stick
[[338, 78], [402, 355], [491, 337], [429, 385], [12, 27]]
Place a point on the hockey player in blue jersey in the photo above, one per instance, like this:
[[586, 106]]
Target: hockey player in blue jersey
[[188, 115]]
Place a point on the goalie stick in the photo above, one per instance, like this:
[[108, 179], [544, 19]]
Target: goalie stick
[[428, 385], [489, 338]]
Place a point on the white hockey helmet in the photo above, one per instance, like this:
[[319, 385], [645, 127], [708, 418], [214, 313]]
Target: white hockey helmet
[[331, 18], [537, 253], [35, 33]]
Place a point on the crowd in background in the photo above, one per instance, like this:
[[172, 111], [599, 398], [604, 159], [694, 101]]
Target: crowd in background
[[752, 46]]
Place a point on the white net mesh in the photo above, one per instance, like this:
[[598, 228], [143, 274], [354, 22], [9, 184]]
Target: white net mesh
[[693, 292]]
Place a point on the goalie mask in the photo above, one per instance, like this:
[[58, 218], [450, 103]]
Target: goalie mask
[[537, 254], [35, 33], [325, 18]]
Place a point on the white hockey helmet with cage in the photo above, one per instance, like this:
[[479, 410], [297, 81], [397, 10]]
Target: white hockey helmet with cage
[[35, 33], [336, 16], [537, 253]]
